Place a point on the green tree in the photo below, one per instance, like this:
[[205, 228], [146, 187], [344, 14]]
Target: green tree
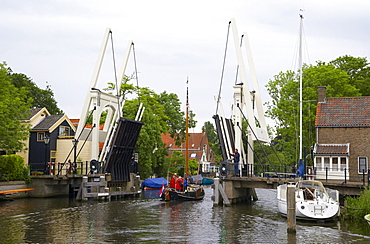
[[213, 140], [358, 70], [40, 97], [14, 108], [174, 118], [284, 107], [162, 115]]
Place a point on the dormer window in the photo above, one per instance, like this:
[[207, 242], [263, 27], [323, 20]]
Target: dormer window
[[64, 131]]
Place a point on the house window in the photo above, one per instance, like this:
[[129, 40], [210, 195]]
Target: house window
[[318, 163], [326, 163], [334, 164], [64, 131], [362, 164], [193, 155], [40, 136], [343, 163], [53, 156]]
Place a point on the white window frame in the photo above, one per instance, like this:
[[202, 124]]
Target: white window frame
[[366, 164], [322, 167], [338, 174]]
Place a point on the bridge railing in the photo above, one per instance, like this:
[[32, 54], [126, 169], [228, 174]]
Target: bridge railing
[[80, 168], [319, 173]]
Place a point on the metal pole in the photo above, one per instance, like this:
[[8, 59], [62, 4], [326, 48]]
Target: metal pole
[[363, 177], [45, 159]]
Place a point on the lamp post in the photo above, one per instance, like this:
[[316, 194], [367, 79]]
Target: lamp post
[[46, 140], [75, 142]]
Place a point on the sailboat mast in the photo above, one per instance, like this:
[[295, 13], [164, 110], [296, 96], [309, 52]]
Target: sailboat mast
[[300, 87], [187, 131]]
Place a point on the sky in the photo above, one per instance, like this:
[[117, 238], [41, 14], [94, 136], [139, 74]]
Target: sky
[[57, 42]]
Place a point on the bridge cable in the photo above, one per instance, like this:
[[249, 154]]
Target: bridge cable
[[255, 136], [77, 154], [237, 67], [90, 115], [254, 152], [115, 76], [136, 73], [223, 67]]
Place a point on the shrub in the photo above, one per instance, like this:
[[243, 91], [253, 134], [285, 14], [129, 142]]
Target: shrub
[[358, 207], [12, 168]]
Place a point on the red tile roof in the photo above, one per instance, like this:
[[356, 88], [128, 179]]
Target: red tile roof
[[76, 121], [343, 112], [331, 149], [195, 145], [195, 141]]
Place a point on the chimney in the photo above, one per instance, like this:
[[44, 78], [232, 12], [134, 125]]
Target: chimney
[[321, 93]]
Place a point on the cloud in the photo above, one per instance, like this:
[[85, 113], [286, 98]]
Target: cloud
[[59, 41]]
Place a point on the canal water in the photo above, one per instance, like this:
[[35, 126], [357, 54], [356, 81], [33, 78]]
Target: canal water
[[146, 219]]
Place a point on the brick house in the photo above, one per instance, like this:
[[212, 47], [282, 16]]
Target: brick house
[[198, 149], [342, 137]]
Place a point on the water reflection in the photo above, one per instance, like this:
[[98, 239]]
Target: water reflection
[[147, 219]]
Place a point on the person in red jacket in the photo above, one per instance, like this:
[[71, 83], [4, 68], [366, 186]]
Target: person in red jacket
[[178, 184], [172, 181]]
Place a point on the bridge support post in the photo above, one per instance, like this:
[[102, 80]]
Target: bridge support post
[[81, 195]]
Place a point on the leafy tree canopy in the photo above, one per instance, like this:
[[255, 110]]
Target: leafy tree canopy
[[14, 107], [40, 97]]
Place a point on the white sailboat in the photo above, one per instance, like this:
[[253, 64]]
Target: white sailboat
[[313, 200]]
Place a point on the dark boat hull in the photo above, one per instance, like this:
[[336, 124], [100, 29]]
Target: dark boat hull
[[170, 194]]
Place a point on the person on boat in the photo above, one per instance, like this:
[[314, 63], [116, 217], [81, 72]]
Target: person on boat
[[185, 183], [236, 156], [172, 181], [191, 179], [179, 184]]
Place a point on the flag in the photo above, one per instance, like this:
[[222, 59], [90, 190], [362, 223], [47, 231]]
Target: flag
[[161, 191]]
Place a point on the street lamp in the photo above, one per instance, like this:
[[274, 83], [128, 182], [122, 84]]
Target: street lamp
[[75, 142], [46, 140]]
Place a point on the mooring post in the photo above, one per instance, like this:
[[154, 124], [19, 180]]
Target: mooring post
[[83, 188], [291, 214], [216, 192]]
